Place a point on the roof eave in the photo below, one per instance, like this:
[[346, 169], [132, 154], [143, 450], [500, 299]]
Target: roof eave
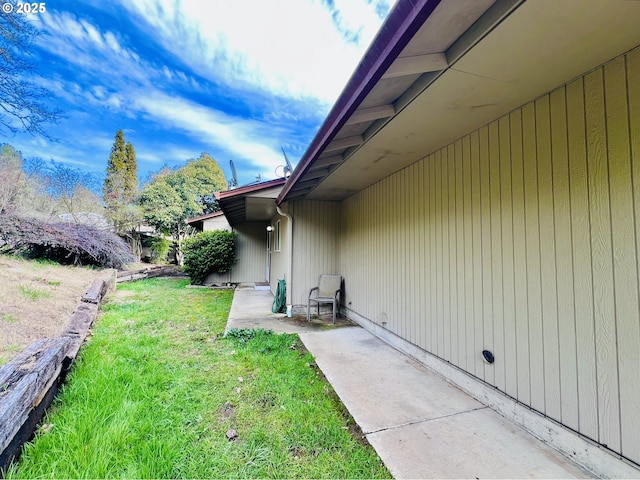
[[401, 25], [256, 187]]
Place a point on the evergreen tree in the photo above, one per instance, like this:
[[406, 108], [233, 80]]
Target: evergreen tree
[[114, 183], [120, 190], [131, 173]]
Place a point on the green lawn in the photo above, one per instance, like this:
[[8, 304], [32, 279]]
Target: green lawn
[[157, 391]]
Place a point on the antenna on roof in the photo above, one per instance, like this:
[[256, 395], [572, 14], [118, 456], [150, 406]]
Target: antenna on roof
[[233, 183], [288, 170]]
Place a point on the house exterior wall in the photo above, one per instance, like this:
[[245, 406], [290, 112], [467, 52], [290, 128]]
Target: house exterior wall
[[280, 258], [521, 238], [315, 245], [251, 252], [216, 223]]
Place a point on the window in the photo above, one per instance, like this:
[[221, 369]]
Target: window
[[276, 237]]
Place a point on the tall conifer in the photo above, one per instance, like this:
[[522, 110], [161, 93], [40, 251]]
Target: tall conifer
[[114, 184], [120, 190], [131, 177]]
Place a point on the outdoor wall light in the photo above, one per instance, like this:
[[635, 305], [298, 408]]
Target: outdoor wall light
[[269, 228], [488, 356]]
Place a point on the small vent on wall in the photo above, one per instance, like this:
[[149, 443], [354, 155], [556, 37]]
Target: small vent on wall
[[488, 356]]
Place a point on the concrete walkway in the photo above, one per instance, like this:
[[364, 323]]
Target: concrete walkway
[[420, 425]]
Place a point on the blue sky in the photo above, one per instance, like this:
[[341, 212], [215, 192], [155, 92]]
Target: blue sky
[[237, 79]]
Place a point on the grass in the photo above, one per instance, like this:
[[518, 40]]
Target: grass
[[159, 393], [36, 300], [53, 283], [33, 294]]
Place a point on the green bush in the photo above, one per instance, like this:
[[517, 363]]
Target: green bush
[[159, 248], [208, 252]]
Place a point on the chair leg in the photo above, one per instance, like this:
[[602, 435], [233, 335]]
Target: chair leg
[[334, 311], [308, 310]]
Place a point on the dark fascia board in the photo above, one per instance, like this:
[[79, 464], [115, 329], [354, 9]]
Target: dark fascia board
[[204, 217], [250, 188], [401, 25]]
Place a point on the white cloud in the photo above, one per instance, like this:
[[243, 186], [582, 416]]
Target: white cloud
[[70, 153], [133, 93], [244, 139], [290, 48], [82, 44], [300, 51]]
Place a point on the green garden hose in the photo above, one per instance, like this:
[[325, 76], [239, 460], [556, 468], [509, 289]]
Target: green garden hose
[[280, 299]]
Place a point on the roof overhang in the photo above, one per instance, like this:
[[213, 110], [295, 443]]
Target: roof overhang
[[438, 70], [251, 203], [197, 222]]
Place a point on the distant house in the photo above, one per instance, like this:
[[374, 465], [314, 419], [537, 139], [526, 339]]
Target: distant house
[[477, 185], [210, 221]]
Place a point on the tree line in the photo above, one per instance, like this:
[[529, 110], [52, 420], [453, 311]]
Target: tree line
[[38, 189], [47, 190]]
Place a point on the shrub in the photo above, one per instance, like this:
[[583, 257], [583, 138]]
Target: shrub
[[159, 248], [66, 243], [208, 252]]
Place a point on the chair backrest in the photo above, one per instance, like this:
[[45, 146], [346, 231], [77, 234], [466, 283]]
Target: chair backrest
[[328, 284]]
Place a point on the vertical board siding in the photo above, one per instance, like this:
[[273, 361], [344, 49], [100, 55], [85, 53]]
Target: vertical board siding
[[508, 298], [602, 260], [460, 331], [521, 238], [469, 333], [488, 373], [547, 260], [623, 244], [532, 247], [521, 306], [315, 246], [495, 265], [630, 331], [562, 216], [251, 251], [581, 261], [476, 315], [279, 259]]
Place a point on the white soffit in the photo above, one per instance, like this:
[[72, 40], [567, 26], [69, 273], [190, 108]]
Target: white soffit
[[431, 62], [372, 113], [543, 44]]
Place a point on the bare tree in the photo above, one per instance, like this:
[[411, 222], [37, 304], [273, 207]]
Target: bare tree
[[12, 178], [22, 102]]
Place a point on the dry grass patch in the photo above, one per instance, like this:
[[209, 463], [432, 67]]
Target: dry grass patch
[[36, 300]]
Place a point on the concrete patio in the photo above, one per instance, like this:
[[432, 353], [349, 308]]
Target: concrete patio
[[421, 425]]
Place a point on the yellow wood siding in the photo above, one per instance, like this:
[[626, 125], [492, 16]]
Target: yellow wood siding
[[521, 238], [628, 342], [280, 259], [315, 245], [251, 251]]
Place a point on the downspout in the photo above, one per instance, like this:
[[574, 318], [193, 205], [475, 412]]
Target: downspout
[[290, 263]]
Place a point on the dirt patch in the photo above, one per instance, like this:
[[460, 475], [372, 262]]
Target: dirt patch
[[36, 301]]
